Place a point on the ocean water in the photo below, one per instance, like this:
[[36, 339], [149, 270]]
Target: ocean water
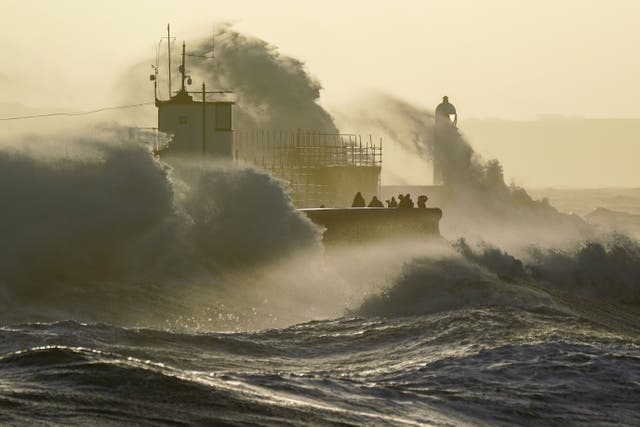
[[475, 366], [131, 295], [585, 200]]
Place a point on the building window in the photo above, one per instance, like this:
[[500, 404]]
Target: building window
[[223, 116], [182, 120]]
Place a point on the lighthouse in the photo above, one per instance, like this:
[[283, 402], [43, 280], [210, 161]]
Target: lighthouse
[[444, 126]]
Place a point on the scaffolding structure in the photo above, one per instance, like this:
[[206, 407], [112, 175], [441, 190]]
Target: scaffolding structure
[[321, 168]]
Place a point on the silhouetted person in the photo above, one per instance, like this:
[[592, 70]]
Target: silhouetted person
[[375, 203], [443, 113], [358, 201], [392, 203], [422, 201], [407, 197], [405, 201]]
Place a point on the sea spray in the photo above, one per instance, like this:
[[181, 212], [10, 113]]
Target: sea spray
[[240, 216], [115, 235], [273, 90], [432, 284], [476, 201], [608, 269], [481, 275]]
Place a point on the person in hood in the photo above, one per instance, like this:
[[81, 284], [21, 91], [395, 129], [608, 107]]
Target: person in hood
[[358, 201], [375, 203]]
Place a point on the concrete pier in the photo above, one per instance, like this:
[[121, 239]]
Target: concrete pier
[[365, 224]]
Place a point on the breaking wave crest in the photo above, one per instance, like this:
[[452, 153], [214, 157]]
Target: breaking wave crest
[[427, 285], [598, 280], [114, 234], [608, 269]]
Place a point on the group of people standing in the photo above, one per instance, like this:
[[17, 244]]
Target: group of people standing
[[404, 201]]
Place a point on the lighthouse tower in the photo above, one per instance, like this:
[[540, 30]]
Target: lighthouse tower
[[445, 128], [199, 122]]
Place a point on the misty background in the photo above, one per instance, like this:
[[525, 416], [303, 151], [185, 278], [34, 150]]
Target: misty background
[[549, 88]]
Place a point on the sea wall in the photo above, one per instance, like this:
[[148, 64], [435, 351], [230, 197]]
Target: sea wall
[[362, 224]]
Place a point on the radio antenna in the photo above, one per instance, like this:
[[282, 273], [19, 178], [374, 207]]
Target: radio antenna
[[169, 55]]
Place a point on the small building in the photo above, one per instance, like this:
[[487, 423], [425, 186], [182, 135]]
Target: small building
[[200, 127], [201, 123]]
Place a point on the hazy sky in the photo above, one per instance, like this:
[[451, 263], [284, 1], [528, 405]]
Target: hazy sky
[[505, 59], [494, 58]]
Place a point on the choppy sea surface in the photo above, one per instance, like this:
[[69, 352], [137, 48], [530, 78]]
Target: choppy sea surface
[[490, 365]]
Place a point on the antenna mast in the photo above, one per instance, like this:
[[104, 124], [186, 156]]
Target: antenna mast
[[169, 54], [183, 71]]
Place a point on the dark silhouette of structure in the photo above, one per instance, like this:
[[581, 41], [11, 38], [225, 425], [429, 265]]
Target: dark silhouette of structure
[[422, 201], [358, 201], [375, 203], [392, 203], [443, 130], [444, 111]]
